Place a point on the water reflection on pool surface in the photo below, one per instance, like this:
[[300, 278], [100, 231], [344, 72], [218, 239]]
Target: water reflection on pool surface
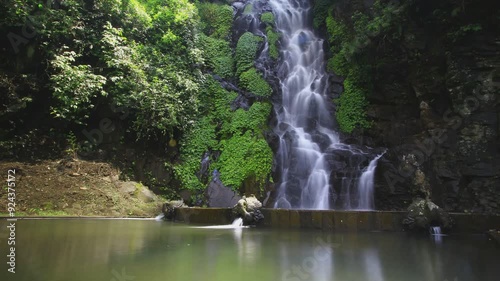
[[73, 250]]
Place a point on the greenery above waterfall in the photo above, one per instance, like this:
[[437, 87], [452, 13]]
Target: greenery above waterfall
[[237, 135]]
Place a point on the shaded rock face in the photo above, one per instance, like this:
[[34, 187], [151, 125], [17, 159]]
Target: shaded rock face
[[435, 105], [219, 195], [248, 208], [423, 214]]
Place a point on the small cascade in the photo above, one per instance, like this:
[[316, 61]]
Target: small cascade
[[435, 230], [159, 217], [238, 222], [366, 186]]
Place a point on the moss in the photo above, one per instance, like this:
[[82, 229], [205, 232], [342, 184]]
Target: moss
[[351, 107], [217, 54], [272, 39], [236, 134], [267, 18], [248, 9], [254, 83], [254, 119], [216, 19], [199, 139], [246, 51], [244, 156]]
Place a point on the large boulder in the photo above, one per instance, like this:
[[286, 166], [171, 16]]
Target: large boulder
[[218, 195], [423, 214], [248, 208]]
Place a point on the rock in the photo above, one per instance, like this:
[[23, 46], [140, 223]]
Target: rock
[[218, 195], [423, 213], [127, 187], [169, 207], [248, 208], [146, 195]]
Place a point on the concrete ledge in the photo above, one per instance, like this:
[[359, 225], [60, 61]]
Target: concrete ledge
[[331, 220]]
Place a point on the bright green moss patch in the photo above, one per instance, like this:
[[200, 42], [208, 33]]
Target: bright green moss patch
[[254, 119], [272, 39], [246, 51], [254, 83], [236, 134], [351, 111], [267, 18], [244, 156], [216, 19], [199, 139], [217, 54]]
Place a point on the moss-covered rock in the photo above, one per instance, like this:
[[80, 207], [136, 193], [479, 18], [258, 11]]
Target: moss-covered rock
[[272, 39], [248, 208], [246, 51], [252, 81], [423, 213], [216, 19], [267, 18], [244, 156], [217, 55]]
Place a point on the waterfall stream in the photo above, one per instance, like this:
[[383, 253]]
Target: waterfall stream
[[304, 121]]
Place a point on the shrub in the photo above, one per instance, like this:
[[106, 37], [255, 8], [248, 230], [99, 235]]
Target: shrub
[[254, 83]]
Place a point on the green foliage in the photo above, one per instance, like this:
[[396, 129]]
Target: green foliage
[[216, 19], [196, 141], [254, 83], [463, 31], [74, 87], [272, 38], [321, 9], [244, 156], [246, 51], [350, 39], [254, 119], [267, 18], [147, 57], [217, 54], [236, 134], [351, 111]]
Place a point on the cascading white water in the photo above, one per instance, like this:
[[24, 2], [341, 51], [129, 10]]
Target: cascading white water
[[304, 122], [366, 185], [303, 113], [435, 230], [236, 224]]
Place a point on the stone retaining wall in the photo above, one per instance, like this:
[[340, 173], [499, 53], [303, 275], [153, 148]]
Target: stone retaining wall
[[334, 220]]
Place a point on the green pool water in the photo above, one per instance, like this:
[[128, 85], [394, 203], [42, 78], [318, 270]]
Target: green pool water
[[147, 250]]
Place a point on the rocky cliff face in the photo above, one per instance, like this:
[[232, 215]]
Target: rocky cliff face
[[435, 105]]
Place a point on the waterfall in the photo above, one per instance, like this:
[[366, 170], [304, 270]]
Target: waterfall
[[366, 185], [304, 122], [303, 118], [435, 231]]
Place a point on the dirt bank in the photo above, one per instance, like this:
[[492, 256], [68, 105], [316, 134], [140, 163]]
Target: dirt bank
[[75, 188]]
